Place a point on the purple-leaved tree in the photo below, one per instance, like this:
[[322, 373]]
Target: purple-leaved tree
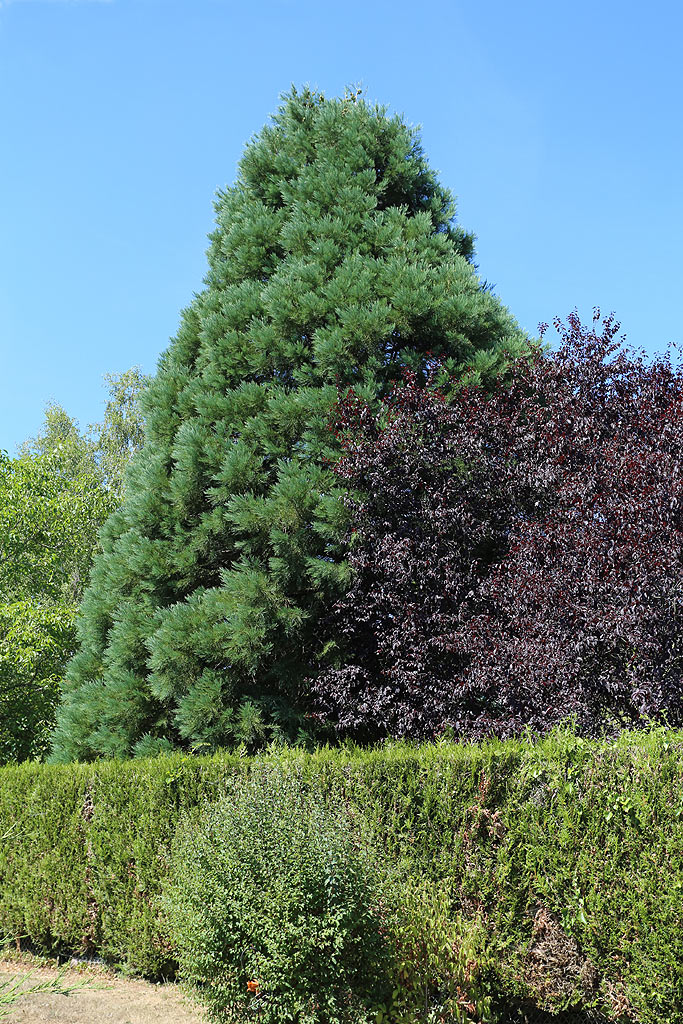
[[517, 556]]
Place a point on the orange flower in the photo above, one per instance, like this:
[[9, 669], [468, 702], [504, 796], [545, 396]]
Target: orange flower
[[252, 986]]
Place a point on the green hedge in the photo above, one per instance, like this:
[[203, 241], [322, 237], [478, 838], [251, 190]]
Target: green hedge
[[569, 852]]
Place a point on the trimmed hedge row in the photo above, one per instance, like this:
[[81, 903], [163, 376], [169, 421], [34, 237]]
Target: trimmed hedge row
[[568, 852]]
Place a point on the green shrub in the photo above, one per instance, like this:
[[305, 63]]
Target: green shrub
[[276, 908], [282, 910]]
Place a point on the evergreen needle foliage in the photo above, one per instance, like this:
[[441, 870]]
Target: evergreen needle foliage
[[335, 260]]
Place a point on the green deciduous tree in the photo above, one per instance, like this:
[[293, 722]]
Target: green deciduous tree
[[335, 260], [54, 498], [52, 504], [121, 433], [104, 451], [35, 643]]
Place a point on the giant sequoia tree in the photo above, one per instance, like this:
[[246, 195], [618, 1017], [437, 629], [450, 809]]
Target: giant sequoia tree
[[335, 259]]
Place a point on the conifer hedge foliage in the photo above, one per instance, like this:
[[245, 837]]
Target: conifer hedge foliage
[[335, 260], [559, 861]]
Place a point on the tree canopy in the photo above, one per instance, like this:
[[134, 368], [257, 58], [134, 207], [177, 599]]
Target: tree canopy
[[335, 258], [516, 556], [54, 497]]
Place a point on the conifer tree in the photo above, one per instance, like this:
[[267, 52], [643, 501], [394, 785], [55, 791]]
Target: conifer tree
[[335, 261]]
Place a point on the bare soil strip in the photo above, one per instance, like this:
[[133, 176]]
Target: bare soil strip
[[108, 999]]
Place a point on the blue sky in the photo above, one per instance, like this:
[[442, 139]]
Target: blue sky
[[557, 125]]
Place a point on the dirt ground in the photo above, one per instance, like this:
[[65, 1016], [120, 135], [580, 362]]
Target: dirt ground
[[107, 999]]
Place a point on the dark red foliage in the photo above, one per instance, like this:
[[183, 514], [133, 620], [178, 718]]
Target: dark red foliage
[[517, 556]]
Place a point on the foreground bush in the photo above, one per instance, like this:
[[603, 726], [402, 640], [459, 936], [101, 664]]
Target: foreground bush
[[556, 868], [277, 908], [517, 555], [282, 910]]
